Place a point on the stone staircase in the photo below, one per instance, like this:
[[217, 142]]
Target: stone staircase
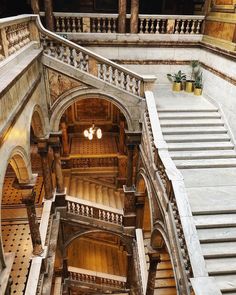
[[200, 145], [165, 281], [94, 191]]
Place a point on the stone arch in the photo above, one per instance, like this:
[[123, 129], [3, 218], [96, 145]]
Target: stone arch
[[38, 122], [71, 96], [80, 234]]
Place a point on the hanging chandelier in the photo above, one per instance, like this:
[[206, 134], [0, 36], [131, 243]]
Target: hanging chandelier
[[92, 131]]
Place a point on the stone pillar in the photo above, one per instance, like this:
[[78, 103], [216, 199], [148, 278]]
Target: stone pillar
[[134, 16], [122, 137], [154, 259], [49, 14], [122, 17], [35, 6], [65, 141], [47, 174], [56, 146], [140, 202], [129, 181], [28, 198]]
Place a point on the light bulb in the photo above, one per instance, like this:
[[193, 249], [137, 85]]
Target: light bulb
[[86, 133], [90, 136], [91, 130], [99, 133]]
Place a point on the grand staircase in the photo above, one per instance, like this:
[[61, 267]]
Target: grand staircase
[[165, 281], [201, 147]]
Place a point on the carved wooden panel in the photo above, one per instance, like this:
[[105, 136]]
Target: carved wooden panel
[[220, 30]]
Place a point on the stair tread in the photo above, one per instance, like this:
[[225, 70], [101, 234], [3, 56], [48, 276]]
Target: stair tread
[[215, 220], [217, 234], [205, 163], [165, 291], [226, 282], [196, 137], [164, 283], [187, 110], [220, 248], [194, 130], [192, 122], [188, 115], [220, 266], [206, 154]]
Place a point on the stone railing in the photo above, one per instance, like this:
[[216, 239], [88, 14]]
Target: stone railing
[[170, 24], [89, 209], [15, 33], [191, 270], [89, 162], [92, 277], [85, 60]]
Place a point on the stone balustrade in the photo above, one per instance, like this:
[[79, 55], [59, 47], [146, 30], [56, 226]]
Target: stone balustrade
[[93, 277], [89, 209], [170, 24]]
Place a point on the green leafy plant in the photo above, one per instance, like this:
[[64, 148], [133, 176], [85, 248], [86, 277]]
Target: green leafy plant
[[198, 80], [177, 77]]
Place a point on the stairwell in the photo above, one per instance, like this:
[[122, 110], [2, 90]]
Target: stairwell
[[200, 145]]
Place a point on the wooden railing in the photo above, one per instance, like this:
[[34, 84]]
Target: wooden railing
[[107, 23], [89, 162], [93, 277], [89, 209]]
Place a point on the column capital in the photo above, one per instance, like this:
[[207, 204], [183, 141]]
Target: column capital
[[43, 147], [25, 185], [133, 138], [153, 254], [28, 197], [54, 141]]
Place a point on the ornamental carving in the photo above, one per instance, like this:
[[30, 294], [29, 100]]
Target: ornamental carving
[[59, 84]]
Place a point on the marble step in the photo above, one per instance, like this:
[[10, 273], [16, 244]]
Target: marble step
[[212, 200], [215, 220], [193, 130], [205, 163], [187, 110], [196, 137], [226, 283], [220, 266], [198, 146], [211, 154], [191, 123], [188, 115], [217, 235], [219, 249]]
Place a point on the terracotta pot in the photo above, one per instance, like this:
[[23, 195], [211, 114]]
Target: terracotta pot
[[198, 91], [189, 86], [176, 86]]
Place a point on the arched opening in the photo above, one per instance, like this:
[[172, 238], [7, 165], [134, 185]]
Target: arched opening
[[100, 259]]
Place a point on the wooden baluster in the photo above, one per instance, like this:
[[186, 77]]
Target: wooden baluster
[[146, 26], [93, 26], [108, 25], [152, 26], [177, 26], [182, 27], [73, 25], [99, 25], [68, 24], [63, 24], [141, 26], [57, 24], [188, 26]]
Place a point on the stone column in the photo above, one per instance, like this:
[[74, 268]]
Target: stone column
[[129, 181], [35, 6], [28, 198], [65, 141], [49, 14], [47, 174], [122, 137], [140, 201], [134, 16], [154, 259], [56, 146], [122, 17]]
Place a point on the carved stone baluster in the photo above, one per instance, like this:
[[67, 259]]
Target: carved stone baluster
[[108, 25], [177, 26], [125, 81], [114, 25], [57, 24], [63, 27], [113, 76], [93, 26], [199, 21], [99, 25], [104, 29], [141, 26], [188, 26], [163, 25], [146, 26], [73, 24], [182, 27], [79, 27], [108, 73], [119, 79], [68, 26], [157, 26], [152, 26]]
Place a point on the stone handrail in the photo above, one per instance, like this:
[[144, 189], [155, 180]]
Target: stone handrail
[[15, 33], [90, 62], [170, 24], [186, 238], [77, 206], [142, 259], [93, 277]]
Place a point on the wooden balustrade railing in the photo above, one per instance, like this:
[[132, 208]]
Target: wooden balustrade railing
[[89, 209], [92, 277], [170, 24], [89, 162]]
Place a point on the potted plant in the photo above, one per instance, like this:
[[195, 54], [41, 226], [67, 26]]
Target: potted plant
[[198, 84], [190, 83], [177, 80]]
